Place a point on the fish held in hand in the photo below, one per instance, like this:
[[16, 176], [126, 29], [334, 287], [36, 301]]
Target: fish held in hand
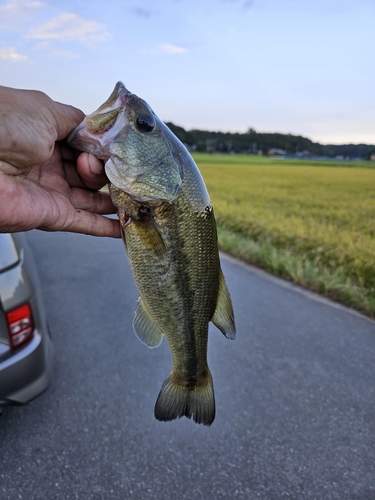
[[169, 231]]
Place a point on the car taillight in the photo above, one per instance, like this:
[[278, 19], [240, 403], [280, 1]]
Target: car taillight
[[20, 324]]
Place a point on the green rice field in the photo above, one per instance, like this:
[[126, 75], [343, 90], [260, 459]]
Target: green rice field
[[311, 222]]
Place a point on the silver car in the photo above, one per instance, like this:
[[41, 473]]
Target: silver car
[[26, 350]]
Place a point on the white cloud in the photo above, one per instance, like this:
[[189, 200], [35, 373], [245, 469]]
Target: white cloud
[[18, 7], [65, 54], [164, 48], [41, 45], [15, 12], [69, 27], [169, 48], [9, 54]]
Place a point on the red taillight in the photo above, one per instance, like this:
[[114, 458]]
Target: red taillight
[[20, 324]]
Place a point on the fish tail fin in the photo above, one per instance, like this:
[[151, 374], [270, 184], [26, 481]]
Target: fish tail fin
[[176, 401]]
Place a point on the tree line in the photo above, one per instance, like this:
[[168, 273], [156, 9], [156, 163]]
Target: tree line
[[254, 142]]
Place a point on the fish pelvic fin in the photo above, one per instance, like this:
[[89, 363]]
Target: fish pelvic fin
[[223, 317], [145, 328], [176, 401]]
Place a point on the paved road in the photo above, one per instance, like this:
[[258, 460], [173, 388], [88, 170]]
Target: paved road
[[295, 395]]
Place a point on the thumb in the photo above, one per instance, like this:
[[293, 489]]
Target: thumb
[[66, 118]]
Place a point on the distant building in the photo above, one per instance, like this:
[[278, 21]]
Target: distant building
[[372, 156], [276, 152], [304, 153]]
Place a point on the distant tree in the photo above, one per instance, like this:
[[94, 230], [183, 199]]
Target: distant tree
[[369, 154], [252, 142]]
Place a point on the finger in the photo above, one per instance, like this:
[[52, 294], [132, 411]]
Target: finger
[[72, 175], [94, 225], [67, 118], [91, 171], [92, 201]]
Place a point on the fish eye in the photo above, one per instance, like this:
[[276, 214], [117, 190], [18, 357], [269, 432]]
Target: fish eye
[[145, 123]]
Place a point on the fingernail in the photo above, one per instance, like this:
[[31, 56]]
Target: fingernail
[[95, 165]]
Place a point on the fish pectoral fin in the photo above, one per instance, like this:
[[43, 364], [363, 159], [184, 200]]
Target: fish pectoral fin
[[223, 317], [123, 238], [149, 235], [145, 328]]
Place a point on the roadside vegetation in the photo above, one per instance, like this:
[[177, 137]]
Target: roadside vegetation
[[311, 222]]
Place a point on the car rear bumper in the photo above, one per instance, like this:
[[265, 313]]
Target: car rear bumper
[[27, 372]]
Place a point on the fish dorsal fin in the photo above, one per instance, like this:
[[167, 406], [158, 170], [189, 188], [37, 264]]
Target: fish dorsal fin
[[223, 317], [145, 328]]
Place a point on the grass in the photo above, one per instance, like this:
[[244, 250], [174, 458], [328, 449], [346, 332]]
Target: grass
[[310, 222]]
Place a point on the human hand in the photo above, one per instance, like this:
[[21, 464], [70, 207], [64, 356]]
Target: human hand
[[44, 183]]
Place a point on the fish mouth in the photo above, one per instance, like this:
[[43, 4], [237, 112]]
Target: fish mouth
[[115, 100], [100, 127]]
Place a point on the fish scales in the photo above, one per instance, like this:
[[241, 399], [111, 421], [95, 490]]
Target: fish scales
[[184, 283], [169, 231]]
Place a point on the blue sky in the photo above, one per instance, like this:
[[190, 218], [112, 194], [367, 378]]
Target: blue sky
[[292, 66]]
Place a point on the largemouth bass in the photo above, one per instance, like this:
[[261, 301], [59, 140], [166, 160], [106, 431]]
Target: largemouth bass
[[169, 231]]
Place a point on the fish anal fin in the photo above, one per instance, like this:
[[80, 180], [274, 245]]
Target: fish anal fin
[[176, 401], [223, 317], [145, 328]]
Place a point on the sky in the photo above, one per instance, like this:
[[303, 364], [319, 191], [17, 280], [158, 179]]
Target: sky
[[290, 66]]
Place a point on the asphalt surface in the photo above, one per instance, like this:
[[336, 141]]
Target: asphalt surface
[[295, 394]]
